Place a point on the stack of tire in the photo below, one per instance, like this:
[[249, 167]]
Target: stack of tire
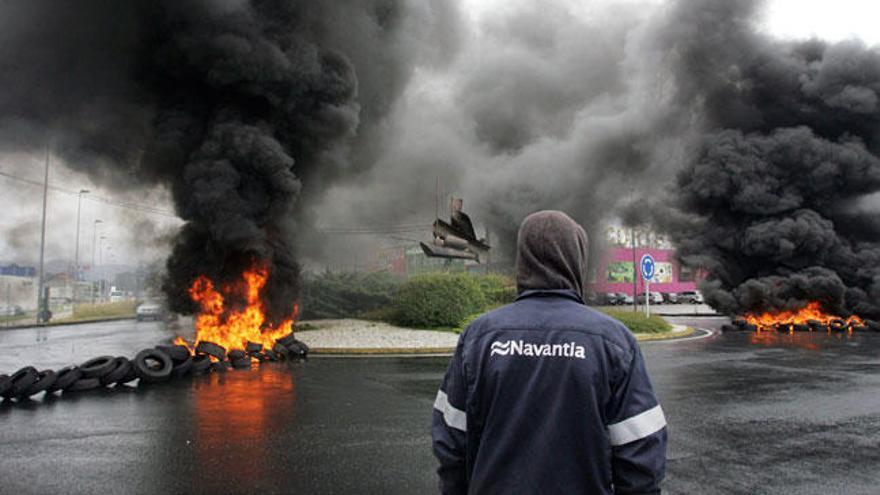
[[836, 325], [154, 365]]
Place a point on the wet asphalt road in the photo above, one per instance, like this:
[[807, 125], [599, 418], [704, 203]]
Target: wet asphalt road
[[747, 414]]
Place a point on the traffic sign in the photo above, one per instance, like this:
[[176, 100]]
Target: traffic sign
[[647, 267]]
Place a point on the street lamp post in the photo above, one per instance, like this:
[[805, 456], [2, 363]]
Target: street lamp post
[[95, 239], [78, 208], [94, 244], [101, 262]]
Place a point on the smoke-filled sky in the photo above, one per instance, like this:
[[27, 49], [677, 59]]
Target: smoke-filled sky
[[260, 123]]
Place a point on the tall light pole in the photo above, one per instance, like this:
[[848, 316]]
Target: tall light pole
[[41, 311], [100, 250], [95, 239], [78, 208]]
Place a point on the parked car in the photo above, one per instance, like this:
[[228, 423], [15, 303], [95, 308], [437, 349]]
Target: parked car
[[149, 310], [610, 299], [691, 297], [670, 298], [624, 298], [656, 298]]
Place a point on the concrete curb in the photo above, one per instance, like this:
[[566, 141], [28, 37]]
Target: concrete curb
[[674, 334], [680, 331]]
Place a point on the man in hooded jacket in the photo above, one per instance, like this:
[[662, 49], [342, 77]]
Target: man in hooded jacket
[[546, 395]]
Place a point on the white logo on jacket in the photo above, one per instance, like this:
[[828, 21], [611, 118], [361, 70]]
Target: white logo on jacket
[[521, 348]]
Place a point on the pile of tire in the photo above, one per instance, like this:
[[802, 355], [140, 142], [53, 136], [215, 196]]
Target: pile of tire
[[836, 325], [155, 365]]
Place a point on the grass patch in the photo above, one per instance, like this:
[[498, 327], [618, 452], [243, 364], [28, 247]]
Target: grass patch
[[101, 311], [638, 322]]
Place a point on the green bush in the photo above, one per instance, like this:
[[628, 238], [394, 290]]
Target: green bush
[[497, 289], [438, 300], [346, 295], [638, 322]]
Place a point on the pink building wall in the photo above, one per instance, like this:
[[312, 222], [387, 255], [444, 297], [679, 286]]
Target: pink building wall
[[618, 254]]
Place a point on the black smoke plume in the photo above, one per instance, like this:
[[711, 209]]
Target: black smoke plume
[[236, 106], [771, 199]]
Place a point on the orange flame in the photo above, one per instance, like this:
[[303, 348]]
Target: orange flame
[[233, 328], [812, 311]]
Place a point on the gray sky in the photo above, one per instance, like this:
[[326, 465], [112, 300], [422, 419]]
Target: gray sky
[[134, 235]]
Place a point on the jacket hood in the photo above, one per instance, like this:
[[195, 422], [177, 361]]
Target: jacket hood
[[551, 253]]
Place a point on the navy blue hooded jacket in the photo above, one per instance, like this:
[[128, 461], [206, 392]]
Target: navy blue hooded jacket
[[547, 395]]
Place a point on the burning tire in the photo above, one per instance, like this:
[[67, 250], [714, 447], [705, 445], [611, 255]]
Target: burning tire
[[859, 328], [182, 368], [800, 327], [84, 384], [241, 363], [211, 349], [236, 354], [98, 367], [121, 369], [201, 364], [177, 353], [253, 347], [64, 378], [20, 381], [220, 366], [45, 379], [270, 355], [287, 339], [153, 366], [837, 325]]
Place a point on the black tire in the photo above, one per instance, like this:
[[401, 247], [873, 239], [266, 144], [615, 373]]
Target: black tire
[[253, 347], [129, 377], [750, 327], [211, 349], [270, 355], [98, 367], [122, 367], [739, 323], [182, 368], [84, 384], [298, 349], [220, 366], [837, 324], [241, 363], [21, 381], [258, 355], [45, 379], [5, 384], [728, 328], [65, 378], [177, 353], [859, 328], [800, 327], [236, 354], [157, 372], [281, 351], [872, 325], [287, 339], [201, 364]]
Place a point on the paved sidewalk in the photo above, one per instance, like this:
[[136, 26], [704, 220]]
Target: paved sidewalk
[[351, 336]]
